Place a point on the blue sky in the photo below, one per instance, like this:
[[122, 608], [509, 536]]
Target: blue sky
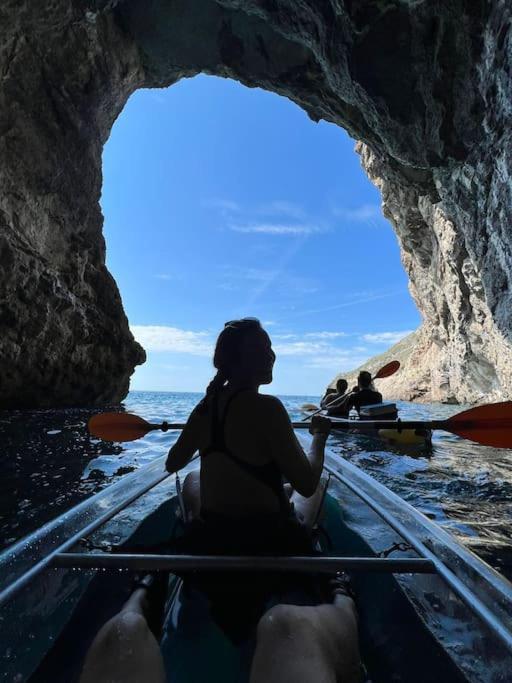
[[222, 201]]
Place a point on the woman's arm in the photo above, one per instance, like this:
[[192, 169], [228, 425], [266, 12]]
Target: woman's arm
[[302, 471], [328, 396], [183, 450]]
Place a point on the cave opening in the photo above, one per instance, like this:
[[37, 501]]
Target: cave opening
[[222, 201]]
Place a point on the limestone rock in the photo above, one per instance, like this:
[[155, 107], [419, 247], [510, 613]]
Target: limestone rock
[[425, 87]]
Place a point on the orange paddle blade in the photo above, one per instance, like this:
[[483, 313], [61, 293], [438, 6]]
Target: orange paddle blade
[[388, 370], [490, 425], [118, 426]]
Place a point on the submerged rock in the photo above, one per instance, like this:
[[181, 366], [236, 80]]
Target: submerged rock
[[424, 86]]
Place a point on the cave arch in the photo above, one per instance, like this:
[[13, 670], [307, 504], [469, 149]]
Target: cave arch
[[423, 86]]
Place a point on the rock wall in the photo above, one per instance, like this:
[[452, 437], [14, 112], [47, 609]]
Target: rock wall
[[424, 85]]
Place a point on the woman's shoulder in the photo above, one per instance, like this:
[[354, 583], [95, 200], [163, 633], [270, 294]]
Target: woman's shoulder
[[271, 404], [200, 410]]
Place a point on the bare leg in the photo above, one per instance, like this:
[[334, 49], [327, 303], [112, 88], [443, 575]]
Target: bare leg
[[125, 650], [192, 495], [304, 644]]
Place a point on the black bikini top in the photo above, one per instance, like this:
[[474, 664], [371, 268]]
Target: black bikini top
[[268, 474]]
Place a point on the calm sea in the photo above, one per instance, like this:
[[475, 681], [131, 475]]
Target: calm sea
[[49, 463]]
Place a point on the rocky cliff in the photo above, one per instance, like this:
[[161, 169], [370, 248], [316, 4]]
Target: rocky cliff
[[425, 87]]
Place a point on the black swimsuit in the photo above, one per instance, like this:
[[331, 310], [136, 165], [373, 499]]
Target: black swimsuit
[[267, 474]]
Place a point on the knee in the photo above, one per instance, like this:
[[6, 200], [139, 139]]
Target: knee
[[191, 483], [283, 621], [126, 627], [122, 649]]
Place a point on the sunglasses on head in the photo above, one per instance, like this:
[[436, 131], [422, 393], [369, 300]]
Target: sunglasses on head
[[243, 322]]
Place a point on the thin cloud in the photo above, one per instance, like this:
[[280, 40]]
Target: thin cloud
[[326, 335], [313, 351], [242, 218], [282, 208], [340, 362], [347, 304], [163, 276], [321, 354], [371, 214], [300, 348], [277, 229], [164, 338], [262, 279], [386, 337]]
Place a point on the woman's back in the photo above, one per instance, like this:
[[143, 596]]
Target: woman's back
[[246, 440], [240, 476]]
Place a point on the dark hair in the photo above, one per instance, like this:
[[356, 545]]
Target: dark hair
[[364, 379], [227, 353], [341, 383]]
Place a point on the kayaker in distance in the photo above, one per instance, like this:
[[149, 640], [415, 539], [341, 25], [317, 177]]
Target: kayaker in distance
[[332, 394], [337, 395], [362, 395]]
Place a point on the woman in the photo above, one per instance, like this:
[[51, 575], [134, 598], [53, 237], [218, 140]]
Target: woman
[[246, 442], [239, 503]]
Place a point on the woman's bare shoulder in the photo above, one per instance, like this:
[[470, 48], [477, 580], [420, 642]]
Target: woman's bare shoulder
[[271, 404]]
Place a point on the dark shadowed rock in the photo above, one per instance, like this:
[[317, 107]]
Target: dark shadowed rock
[[424, 85]]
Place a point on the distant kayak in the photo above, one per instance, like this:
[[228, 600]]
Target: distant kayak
[[414, 438], [417, 438]]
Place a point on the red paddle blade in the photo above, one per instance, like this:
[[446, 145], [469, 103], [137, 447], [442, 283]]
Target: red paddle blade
[[490, 425], [118, 426], [388, 370]]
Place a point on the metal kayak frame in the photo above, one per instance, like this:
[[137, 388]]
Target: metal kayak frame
[[479, 587]]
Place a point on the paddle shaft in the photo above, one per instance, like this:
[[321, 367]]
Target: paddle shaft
[[489, 425], [328, 405], [382, 424], [350, 424]]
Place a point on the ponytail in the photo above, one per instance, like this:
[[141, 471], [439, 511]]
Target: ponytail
[[215, 386]]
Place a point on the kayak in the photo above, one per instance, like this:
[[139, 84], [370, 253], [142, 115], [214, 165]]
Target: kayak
[[428, 608], [403, 439], [415, 438]]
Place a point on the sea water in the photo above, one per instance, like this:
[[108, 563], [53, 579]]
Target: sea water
[[49, 463]]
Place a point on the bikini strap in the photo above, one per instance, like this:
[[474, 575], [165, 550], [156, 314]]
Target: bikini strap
[[218, 438]]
